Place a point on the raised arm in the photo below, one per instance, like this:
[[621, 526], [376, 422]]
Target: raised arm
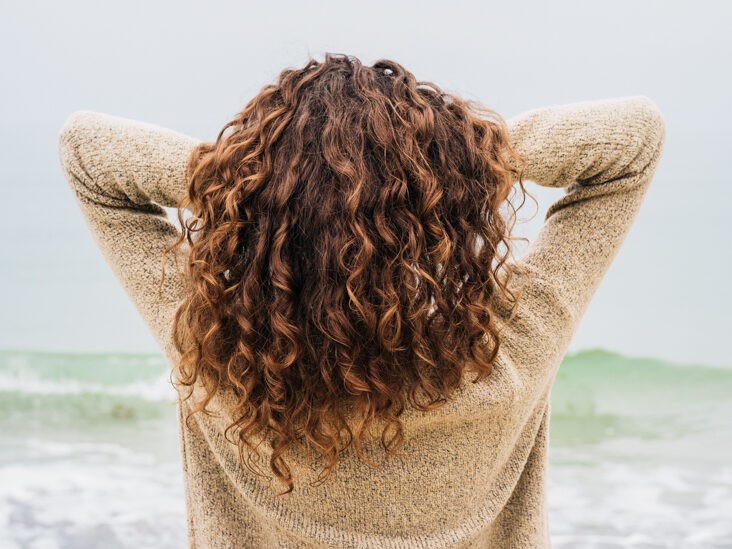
[[122, 172], [604, 153]]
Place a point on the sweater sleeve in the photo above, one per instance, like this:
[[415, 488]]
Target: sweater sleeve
[[122, 172], [604, 153]]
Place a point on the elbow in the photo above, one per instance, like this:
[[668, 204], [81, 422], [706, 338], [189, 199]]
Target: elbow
[[648, 130], [70, 141], [72, 128], [68, 156], [653, 124]]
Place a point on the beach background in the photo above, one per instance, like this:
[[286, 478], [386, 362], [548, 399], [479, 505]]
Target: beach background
[[641, 429]]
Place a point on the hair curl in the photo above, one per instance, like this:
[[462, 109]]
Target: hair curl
[[345, 238]]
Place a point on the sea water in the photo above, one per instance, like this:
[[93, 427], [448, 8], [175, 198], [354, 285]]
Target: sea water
[[640, 453]]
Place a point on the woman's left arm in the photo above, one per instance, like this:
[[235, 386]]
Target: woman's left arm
[[122, 172]]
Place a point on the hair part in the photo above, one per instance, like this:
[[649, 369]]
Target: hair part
[[345, 239]]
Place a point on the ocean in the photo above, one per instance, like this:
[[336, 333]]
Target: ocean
[[640, 453]]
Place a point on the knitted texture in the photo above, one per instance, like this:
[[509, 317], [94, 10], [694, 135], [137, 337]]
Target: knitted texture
[[472, 474]]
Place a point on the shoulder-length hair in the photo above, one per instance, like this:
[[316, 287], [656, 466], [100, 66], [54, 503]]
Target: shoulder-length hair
[[345, 238]]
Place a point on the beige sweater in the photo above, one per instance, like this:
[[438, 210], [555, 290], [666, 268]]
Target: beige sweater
[[475, 470]]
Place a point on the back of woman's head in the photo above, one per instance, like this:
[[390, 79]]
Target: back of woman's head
[[345, 238]]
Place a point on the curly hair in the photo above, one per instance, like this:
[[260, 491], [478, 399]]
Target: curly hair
[[345, 238]]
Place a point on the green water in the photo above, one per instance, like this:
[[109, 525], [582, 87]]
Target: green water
[[597, 394]]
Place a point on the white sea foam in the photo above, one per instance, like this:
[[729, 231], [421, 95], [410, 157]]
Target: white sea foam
[[27, 382], [639, 505], [91, 495]]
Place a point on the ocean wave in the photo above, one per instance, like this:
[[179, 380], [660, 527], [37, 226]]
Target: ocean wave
[[156, 390], [597, 394], [139, 376]]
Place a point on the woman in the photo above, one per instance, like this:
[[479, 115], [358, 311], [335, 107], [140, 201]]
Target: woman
[[341, 311]]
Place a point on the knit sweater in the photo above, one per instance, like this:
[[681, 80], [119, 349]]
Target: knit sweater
[[472, 473]]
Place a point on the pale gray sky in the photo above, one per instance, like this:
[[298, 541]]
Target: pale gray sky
[[192, 65]]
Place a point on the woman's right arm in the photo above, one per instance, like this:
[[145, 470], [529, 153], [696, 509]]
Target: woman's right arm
[[604, 153]]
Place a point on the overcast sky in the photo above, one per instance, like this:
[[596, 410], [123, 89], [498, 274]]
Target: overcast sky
[[191, 66]]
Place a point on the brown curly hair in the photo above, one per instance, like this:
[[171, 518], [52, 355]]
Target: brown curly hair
[[345, 237]]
